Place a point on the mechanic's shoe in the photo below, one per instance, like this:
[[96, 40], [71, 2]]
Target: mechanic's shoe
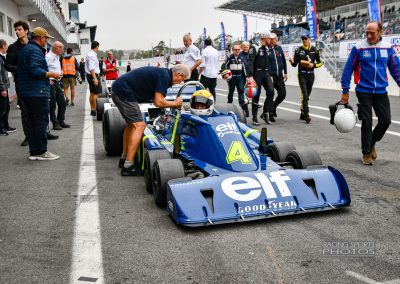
[[3, 132], [367, 159], [274, 113], [307, 119], [255, 122], [264, 116], [57, 126], [332, 111], [121, 163], [64, 125], [374, 155], [93, 113], [271, 117], [130, 171], [72, 104], [67, 101], [25, 142], [51, 136], [46, 156], [302, 117], [11, 130]]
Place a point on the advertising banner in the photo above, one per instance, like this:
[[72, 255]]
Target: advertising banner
[[244, 27], [222, 36], [312, 16], [375, 10]]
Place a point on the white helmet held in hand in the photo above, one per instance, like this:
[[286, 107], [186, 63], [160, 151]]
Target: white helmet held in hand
[[345, 120]]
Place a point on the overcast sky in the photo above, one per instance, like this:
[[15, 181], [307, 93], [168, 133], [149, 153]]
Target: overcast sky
[[139, 24]]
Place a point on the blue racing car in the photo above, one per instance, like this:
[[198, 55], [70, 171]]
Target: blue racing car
[[216, 169]]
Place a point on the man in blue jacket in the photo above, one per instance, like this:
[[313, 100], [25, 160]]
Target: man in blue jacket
[[34, 89], [369, 60]]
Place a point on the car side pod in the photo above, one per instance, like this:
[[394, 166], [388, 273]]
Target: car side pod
[[251, 196]]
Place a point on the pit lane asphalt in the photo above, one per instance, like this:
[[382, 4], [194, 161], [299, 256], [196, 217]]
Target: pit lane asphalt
[[141, 244]]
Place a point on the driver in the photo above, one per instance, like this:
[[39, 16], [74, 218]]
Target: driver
[[142, 85], [202, 103]]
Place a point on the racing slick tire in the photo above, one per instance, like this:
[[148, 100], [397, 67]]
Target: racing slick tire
[[303, 158], [113, 131], [165, 170], [278, 151], [150, 157], [234, 108], [100, 107], [104, 91]]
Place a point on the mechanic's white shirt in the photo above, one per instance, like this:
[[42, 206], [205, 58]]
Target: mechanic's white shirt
[[53, 62], [209, 60], [191, 55], [92, 63]]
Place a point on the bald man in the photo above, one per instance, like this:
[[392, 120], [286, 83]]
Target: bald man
[[369, 59], [57, 99]]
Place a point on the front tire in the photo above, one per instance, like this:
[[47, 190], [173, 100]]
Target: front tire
[[165, 170], [113, 131], [278, 151], [232, 108], [100, 107], [152, 156], [303, 158]]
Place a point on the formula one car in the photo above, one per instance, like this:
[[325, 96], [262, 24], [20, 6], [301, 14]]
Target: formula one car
[[216, 169], [103, 98]]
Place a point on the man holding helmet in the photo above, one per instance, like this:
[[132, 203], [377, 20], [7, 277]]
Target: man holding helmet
[[373, 56]]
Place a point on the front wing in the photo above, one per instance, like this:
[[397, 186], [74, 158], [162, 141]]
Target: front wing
[[255, 195]]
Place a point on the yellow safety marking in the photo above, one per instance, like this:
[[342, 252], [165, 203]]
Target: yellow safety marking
[[175, 127], [248, 132]]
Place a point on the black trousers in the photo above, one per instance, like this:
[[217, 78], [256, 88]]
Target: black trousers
[[210, 84], [263, 79], [194, 76], [57, 101], [237, 82], [24, 115], [279, 85], [37, 109], [306, 82], [381, 105], [4, 111]]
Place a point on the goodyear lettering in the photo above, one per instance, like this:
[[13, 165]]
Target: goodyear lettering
[[237, 153], [247, 188], [272, 205]]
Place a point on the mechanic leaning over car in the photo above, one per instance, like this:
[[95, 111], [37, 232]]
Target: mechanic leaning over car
[[258, 71], [369, 60], [307, 57], [236, 64], [143, 85]]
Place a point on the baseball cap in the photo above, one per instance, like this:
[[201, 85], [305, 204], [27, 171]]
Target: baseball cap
[[305, 36], [273, 35], [38, 31]]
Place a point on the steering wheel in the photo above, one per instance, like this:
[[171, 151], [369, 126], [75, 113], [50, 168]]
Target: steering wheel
[[186, 105]]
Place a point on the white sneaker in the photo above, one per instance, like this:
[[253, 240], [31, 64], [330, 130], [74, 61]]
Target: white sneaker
[[46, 156]]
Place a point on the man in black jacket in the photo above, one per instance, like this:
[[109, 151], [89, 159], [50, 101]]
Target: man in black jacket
[[21, 30], [307, 57], [258, 71], [278, 71]]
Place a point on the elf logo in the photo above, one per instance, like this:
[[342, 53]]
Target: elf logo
[[247, 188], [226, 128]]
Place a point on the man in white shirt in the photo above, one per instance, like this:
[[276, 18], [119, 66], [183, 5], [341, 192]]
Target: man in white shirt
[[192, 57], [57, 99], [209, 67], [92, 71]]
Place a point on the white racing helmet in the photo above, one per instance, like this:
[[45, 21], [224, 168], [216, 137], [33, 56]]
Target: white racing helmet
[[345, 120], [202, 103]]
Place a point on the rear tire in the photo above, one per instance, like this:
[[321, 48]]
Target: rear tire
[[100, 107], [234, 108], [104, 93], [165, 170], [303, 158], [278, 151], [150, 157], [113, 131]]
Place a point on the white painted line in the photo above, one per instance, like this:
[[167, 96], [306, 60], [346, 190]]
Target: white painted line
[[86, 255], [314, 107], [361, 278], [315, 115]]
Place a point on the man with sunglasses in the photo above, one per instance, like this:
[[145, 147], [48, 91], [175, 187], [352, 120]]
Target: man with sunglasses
[[307, 57]]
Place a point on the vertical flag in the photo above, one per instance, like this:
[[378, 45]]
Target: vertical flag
[[244, 27], [203, 38], [312, 18], [375, 10], [222, 36]]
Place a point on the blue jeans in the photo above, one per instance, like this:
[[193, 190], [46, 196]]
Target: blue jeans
[[38, 109]]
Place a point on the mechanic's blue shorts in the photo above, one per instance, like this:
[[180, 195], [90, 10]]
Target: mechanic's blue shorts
[[130, 111]]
